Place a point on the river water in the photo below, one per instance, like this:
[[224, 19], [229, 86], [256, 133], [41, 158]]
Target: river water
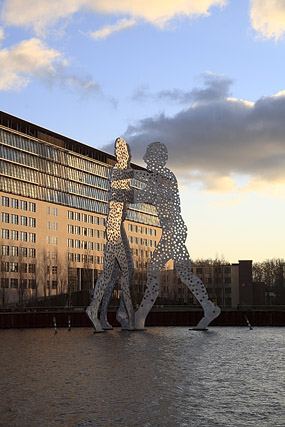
[[164, 376]]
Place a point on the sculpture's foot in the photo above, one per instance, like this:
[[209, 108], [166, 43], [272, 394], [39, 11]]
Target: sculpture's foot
[[106, 325], [211, 311], [92, 316], [123, 319], [139, 322]]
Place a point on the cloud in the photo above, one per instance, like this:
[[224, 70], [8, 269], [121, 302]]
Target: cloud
[[30, 58], [2, 36], [108, 30], [33, 59], [268, 18], [42, 14], [213, 139], [217, 87]]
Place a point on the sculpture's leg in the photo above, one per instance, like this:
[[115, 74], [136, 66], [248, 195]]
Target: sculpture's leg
[[159, 258], [125, 286], [122, 316], [196, 286], [102, 282], [106, 298]]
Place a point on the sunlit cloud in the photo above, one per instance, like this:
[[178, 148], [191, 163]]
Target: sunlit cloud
[[30, 58], [42, 14], [108, 30], [268, 18], [33, 59], [2, 36]]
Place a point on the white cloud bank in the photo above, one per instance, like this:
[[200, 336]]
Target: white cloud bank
[[33, 59], [216, 137], [42, 14], [268, 18], [30, 58]]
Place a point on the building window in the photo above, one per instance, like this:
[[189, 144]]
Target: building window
[[69, 214], [77, 257], [23, 284], [84, 231], [54, 284], [90, 232], [32, 283], [14, 235], [14, 250], [48, 210], [70, 243], [32, 222], [90, 246], [77, 216], [90, 219], [32, 268], [14, 219], [227, 270], [208, 280], [55, 226], [102, 221], [32, 237], [54, 269], [228, 290], [32, 252], [54, 211], [5, 201], [77, 230], [70, 229], [5, 266], [54, 240], [14, 283], [23, 220], [77, 244], [32, 207], [5, 217], [96, 220], [90, 259], [70, 256], [24, 267], [84, 258], [14, 267], [84, 244], [4, 282], [84, 217], [23, 205], [5, 250], [48, 240], [228, 280], [14, 203], [23, 252]]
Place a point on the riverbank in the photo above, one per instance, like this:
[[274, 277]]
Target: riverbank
[[157, 317]]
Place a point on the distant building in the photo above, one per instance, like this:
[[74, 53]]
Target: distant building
[[229, 285]]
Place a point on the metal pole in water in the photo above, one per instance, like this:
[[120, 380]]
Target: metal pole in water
[[69, 323], [248, 323], [54, 324]]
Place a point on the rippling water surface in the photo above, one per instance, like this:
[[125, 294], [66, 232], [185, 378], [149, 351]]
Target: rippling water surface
[[158, 377]]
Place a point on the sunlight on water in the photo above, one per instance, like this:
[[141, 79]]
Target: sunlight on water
[[158, 377]]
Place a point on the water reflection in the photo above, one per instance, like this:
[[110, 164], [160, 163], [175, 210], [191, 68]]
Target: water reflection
[[159, 377]]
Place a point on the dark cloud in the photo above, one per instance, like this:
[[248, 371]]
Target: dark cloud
[[217, 135]]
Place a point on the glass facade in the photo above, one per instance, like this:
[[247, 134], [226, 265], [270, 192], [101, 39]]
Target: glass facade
[[38, 170]]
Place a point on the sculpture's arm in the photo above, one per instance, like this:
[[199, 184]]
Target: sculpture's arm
[[141, 175]]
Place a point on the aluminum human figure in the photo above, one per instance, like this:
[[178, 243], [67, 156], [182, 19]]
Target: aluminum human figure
[[115, 254], [161, 190]]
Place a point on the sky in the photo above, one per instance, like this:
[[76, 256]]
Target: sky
[[205, 78]]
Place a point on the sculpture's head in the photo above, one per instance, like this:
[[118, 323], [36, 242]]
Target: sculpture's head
[[122, 151], [156, 155]]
